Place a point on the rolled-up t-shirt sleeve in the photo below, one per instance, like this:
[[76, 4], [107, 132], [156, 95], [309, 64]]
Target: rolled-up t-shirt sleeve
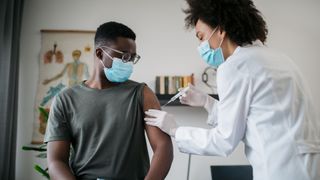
[[57, 127]]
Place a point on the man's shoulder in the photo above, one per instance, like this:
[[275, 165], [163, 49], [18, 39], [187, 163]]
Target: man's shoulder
[[69, 91], [135, 83]]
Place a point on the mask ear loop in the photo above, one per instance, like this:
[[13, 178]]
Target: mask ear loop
[[102, 64], [107, 55], [220, 47], [212, 33], [221, 42]]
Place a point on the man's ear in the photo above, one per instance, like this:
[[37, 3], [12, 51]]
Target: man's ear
[[99, 53]]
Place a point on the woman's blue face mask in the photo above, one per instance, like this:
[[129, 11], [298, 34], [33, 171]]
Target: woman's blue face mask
[[213, 57]]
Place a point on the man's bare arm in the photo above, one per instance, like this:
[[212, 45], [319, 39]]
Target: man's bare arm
[[58, 160], [160, 142]]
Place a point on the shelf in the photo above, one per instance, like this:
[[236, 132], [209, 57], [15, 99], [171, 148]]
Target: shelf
[[164, 98]]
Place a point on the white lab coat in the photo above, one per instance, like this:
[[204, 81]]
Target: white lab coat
[[265, 104]]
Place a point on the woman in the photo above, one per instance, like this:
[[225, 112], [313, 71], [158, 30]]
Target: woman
[[263, 99]]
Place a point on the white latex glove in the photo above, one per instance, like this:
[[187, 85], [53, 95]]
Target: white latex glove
[[162, 120], [195, 97]]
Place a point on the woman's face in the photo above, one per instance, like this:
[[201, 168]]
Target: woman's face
[[203, 32]]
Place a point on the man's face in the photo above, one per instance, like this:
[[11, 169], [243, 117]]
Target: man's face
[[122, 44]]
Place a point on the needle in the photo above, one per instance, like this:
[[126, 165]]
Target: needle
[[183, 91]]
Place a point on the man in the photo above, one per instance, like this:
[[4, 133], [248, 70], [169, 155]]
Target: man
[[102, 119]]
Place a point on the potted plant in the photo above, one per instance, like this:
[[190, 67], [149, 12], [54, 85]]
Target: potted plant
[[42, 149]]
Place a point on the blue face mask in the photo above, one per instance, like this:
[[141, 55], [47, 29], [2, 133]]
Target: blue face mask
[[119, 72], [213, 57]]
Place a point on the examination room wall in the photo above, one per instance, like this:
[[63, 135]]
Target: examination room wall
[[166, 48]]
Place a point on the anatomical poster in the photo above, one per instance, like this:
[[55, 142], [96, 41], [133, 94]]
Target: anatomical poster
[[66, 59]]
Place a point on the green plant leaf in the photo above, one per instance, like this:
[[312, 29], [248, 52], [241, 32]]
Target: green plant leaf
[[29, 148], [42, 155], [42, 171], [44, 113], [43, 145]]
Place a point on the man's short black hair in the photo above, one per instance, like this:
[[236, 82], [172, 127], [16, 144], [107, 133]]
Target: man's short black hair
[[240, 19], [110, 31]]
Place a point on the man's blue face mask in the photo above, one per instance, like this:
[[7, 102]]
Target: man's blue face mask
[[119, 71], [213, 57]]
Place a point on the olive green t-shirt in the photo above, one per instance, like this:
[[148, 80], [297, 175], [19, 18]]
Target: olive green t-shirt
[[105, 128]]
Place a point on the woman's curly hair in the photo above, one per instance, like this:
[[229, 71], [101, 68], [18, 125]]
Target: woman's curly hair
[[240, 19]]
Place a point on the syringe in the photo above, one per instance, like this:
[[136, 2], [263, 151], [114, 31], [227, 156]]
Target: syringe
[[180, 93]]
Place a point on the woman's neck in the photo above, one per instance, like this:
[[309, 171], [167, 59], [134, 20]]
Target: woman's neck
[[228, 48]]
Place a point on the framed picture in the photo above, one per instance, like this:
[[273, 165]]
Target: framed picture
[[66, 59]]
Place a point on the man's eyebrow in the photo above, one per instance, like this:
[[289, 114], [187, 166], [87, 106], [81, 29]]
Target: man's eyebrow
[[125, 51]]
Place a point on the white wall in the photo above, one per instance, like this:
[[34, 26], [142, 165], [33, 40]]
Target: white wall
[[166, 49]]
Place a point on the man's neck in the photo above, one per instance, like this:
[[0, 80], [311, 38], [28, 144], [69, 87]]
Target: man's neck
[[99, 81]]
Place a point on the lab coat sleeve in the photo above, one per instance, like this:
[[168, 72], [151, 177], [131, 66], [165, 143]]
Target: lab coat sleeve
[[231, 115], [212, 119]]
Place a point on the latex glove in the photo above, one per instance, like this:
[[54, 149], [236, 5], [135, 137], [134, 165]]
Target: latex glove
[[195, 97], [162, 120]]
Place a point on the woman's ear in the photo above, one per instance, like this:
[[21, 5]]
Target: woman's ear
[[222, 34]]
